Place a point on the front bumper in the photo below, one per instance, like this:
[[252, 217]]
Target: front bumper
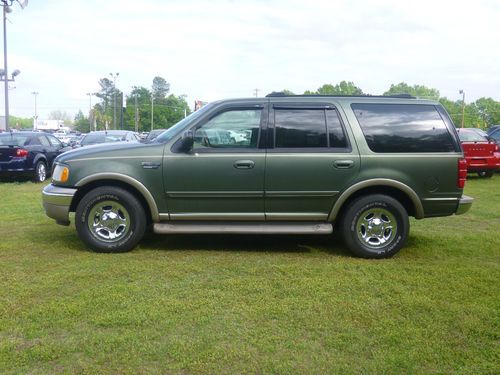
[[464, 205], [56, 202]]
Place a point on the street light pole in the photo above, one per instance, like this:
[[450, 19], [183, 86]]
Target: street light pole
[[35, 124], [6, 9], [90, 109], [152, 110], [114, 97], [6, 76], [463, 106]]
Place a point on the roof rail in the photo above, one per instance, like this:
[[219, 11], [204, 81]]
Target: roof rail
[[282, 94]]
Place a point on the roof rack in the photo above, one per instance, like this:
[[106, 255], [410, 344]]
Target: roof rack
[[282, 94]]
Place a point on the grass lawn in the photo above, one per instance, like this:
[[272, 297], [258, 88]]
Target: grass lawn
[[244, 304]]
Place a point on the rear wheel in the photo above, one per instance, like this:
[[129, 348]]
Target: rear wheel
[[485, 174], [40, 172], [110, 220], [375, 226]]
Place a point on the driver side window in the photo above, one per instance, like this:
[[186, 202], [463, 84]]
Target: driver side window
[[230, 129]]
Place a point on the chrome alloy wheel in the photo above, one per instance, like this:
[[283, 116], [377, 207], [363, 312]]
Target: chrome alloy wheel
[[376, 227], [41, 172], [108, 221]]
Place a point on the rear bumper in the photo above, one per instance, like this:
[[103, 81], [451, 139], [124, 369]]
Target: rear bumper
[[56, 203], [464, 205]]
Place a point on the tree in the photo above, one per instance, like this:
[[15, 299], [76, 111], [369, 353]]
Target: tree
[[419, 91], [160, 88], [488, 110], [287, 92], [81, 123], [61, 116], [342, 88], [107, 94]]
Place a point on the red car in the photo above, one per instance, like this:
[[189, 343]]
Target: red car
[[482, 155]]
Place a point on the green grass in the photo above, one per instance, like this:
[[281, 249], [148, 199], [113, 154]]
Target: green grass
[[242, 304]]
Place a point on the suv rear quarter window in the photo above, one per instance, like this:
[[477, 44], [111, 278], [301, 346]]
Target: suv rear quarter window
[[392, 128]]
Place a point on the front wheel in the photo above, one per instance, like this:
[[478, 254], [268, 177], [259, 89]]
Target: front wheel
[[375, 226], [110, 219]]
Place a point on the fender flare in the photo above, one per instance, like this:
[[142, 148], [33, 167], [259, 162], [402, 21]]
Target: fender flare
[[419, 209], [155, 216]]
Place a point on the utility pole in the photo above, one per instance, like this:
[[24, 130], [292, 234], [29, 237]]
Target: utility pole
[[6, 4], [256, 92], [136, 114], [114, 97], [35, 117], [122, 108], [463, 106], [152, 110], [90, 110]]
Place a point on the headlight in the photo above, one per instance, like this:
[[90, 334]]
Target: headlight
[[61, 173]]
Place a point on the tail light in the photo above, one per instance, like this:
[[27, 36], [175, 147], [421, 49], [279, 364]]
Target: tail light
[[21, 153], [462, 173]]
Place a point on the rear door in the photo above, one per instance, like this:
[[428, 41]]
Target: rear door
[[309, 161]]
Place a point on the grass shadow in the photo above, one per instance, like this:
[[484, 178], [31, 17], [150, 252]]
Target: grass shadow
[[245, 243]]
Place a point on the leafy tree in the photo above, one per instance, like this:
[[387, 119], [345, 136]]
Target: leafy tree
[[287, 92], [20, 123], [81, 123], [160, 88], [342, 88], [419, 91], [107, 94], [488, 110], [61, 116]]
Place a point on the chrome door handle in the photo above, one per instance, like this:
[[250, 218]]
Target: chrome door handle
[[343, 164], [150, 165], [244, 164]]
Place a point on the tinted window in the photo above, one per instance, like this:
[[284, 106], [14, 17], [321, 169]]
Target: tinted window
[[336, 134], [403, 128], [44, 141], [229, 129], [300, 128], [54, 141]]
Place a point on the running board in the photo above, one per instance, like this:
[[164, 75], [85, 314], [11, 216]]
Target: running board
[[243, 228]]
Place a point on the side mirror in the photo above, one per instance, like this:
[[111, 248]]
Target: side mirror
[[186, 142]]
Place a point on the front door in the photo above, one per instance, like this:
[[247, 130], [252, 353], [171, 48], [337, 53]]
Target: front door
[[222, 178], [310, 160]]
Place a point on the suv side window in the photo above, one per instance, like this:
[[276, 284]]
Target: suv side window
[[54, 141], [237, 128], [391, 128], [43, 140], [308, 128]]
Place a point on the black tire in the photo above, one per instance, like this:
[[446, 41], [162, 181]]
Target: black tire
[[40, 172], [485, 174], [115, 212], [370, 238]]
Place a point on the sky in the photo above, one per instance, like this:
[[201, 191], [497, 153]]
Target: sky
[[210, 50]]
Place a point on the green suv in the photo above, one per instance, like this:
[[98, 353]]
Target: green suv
[[276, 165]]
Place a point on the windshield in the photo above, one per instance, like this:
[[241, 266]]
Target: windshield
[[14, 139], [175, 129], [471, 136], [92, 139]]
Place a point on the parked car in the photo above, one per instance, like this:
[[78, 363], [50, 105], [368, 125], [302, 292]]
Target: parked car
[[98, 137], [153, 134], [492, 128], [494, 136], [361, 164], [28, 154], [482, 155]]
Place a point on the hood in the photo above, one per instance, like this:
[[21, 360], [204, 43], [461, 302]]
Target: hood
[[103, 150]]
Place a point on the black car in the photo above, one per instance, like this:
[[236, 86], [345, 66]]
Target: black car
[[28, 154]]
